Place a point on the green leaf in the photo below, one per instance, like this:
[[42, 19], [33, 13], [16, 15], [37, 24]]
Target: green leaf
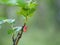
[[15, 29], [10, 31], [24, 12], [29, 9], [21, 3], [32, 5]]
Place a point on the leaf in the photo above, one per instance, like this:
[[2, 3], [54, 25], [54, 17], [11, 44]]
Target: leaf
[[21, 3], [9, 20], [10, 31], [32, 5], [24, 12], [29, 9], [17, 28]]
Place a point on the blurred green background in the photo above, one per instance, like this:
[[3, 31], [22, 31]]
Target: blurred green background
[[43, 26]]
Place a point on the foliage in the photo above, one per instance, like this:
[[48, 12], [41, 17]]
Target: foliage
[[10, 21], [27, 8]]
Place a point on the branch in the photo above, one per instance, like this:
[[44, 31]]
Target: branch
[[19, 35]]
